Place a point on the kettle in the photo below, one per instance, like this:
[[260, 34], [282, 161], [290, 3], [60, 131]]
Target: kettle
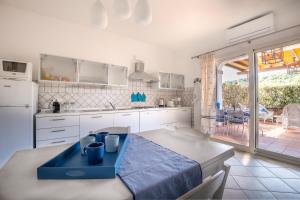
[[161, 102]]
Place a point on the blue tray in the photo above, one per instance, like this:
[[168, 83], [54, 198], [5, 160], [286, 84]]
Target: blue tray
[[71, 165]]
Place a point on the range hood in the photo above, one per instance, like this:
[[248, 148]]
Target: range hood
[[140, 75]]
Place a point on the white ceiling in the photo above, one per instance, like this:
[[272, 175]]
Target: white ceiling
[[193, 25]]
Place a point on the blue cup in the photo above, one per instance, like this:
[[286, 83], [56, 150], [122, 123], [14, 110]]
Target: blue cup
[[94, 152], [100, 137]]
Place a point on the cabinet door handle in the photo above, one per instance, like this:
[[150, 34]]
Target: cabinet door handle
[[6, 85], [56, 142], [96, 117], [55, 131], [58, 119], [126, 115]]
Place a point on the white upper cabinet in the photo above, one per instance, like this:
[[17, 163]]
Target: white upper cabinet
[[117, 75], [170, 81], [177, 81], [164, 80], [93, 72], [61, 69], [57, 68]]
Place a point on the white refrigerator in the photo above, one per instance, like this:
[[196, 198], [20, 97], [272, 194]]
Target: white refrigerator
[[18, 105]]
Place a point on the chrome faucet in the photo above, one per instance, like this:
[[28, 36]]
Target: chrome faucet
[[112, 105]]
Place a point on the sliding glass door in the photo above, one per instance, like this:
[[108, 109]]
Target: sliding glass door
[[232, 101], [278, 100]]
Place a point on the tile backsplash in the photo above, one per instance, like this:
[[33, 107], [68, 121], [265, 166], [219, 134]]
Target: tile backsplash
[[88, 96]]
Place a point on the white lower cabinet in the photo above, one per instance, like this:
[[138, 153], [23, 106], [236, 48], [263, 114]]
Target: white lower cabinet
[[55, 130], [149, 120], [183, 117], [95, 122], [58, 129], [128, 119]]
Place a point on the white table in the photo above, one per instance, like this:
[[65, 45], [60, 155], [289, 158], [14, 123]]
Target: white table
[[18, 177]]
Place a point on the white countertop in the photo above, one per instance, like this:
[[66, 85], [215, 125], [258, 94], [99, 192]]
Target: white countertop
[[18, 178], [81, 112]]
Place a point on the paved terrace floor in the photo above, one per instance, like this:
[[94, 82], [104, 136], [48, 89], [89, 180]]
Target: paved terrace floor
[[272, 137]]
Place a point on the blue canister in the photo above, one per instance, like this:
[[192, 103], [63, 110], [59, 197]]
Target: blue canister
[[100, 137], [94, 152], [143, 97]]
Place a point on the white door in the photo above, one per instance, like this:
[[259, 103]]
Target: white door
[[149, 120], [16, 131], [15, 93], [90, 123], [130, 119]]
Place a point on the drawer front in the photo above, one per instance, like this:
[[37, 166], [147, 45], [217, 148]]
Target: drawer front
[[90, 123], [55, 133], [54, 142], [59, 121], [128, 120]]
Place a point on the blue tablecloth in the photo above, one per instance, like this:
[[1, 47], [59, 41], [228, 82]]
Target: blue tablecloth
[[151, 171]]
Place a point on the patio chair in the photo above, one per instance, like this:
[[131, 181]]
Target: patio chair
[[220, 119], [291, 115], [265, 114], [237, 118]]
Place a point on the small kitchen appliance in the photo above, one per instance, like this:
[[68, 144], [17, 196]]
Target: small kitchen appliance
[[15, 70], [161, 102]]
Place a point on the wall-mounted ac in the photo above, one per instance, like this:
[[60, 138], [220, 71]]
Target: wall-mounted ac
[[251, 29]]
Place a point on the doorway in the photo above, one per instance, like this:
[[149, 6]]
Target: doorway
[[232, 101], [278, 100]]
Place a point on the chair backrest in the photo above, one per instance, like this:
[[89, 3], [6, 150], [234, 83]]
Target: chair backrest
[[207, 189], [118, 130]]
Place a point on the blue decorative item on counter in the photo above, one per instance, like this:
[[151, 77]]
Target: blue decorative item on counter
[[139, 97], [133, 97], [143, 97]]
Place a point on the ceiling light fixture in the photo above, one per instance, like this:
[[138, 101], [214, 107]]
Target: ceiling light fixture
[[122, 9], [99, 17], [143, 13]]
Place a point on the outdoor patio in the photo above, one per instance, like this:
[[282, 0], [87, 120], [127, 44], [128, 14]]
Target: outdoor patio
[[272, 137]]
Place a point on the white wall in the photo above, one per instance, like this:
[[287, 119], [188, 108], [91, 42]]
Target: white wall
[[24, 35]]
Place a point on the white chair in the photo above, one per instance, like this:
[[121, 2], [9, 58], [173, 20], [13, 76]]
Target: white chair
[[291, 115], [116, 130], [265, 114], [211, 188]]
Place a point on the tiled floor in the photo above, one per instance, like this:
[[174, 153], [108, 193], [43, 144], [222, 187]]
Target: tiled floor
[[274, 138], [256, 177]]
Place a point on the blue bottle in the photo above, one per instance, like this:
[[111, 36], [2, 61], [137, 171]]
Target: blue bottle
[[143, 97]]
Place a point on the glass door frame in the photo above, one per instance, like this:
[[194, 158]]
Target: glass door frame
[[256, 104], [251, 81]]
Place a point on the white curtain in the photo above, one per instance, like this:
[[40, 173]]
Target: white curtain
[[208, 93]]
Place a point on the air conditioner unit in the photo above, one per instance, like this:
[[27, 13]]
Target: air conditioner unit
[[251, 29]]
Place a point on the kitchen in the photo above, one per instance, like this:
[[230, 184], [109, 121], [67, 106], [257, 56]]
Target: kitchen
[[77, 74]]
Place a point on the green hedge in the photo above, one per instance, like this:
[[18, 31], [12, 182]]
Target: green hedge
[[278, 97], [270, 97]]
